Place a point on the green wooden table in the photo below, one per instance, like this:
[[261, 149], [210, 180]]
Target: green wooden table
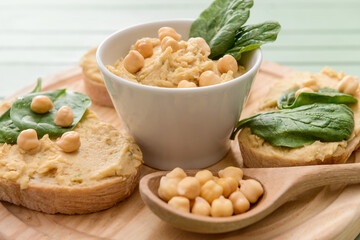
[[42, 37]]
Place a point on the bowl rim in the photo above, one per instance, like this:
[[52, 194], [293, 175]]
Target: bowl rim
[[105, 71]]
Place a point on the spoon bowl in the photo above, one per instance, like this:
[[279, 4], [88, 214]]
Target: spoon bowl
[[280, 185]]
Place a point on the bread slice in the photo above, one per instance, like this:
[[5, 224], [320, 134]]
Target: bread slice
[[104, 171], [94, 84], [53, 199], [256, 152]]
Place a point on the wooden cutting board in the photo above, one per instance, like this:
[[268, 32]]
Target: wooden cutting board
[[330, 212]]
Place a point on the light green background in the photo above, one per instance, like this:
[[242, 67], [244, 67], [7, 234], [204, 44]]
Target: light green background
[[41, 37]]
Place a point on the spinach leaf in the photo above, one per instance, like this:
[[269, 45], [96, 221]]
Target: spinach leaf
[[8, 131], [326, 90], [324, 95], [301, 126], [24, 118], [253, 36], [37, 87], [286, 99], [219, 22]]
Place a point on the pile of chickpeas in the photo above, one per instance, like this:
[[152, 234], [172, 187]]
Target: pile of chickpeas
[[209, 195], [348, 85], [135, 60], [64, 117]]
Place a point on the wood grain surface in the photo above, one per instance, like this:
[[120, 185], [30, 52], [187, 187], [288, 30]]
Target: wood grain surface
[[330, 212]]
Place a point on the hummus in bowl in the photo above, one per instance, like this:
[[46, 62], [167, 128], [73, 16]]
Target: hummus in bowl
[[188, 127], [167, 68]]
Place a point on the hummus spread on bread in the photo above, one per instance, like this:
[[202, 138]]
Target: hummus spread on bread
[[267, 155], [104, 153]]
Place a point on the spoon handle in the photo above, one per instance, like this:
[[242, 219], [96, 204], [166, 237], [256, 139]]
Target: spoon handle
[[316, 176]]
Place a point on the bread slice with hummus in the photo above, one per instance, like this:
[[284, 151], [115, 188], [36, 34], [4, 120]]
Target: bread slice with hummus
[[257, 152], [104, 171], [93, 82]]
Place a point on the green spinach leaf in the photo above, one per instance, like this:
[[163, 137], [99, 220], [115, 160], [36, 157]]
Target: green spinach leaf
[[253, 36], [286, 99], [301, 126], [324, 95], [219, 22], [37, 87], [8, 131], [24, 118], [326, 90]]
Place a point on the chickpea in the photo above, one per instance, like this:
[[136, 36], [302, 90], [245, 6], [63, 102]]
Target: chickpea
[[222, 207], [310, 83], [192, 202], [168, 188], [177, 173], [69, 141], [189, 187], [180, 203], [301, 90], [28, 139], [144, 47], [211, 191], [208, 78], [203, 176], [348, 85], [227, 63], [41, 104], [133, 62], [330, 72], [233, 172], [169, 42], [204, 47], [201, 207], [240, 202], [228, 184], [168, 32], [186, 84], [64, 117], [252, 189]]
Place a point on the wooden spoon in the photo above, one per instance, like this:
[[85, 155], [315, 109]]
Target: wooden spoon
[[280, 185]]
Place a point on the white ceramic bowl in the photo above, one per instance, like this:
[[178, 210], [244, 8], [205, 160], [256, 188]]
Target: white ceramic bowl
[[186, 128]]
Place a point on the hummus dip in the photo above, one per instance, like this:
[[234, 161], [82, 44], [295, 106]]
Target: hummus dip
[[104, 153], [315, 153], [167, 68]]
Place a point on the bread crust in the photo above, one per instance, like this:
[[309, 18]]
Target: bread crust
[[97, 92], [93, 82], [253, 158], [50, 198]]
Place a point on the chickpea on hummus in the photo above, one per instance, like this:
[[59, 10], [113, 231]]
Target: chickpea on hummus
[[167, 62], [81, 152], [49, 163]]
